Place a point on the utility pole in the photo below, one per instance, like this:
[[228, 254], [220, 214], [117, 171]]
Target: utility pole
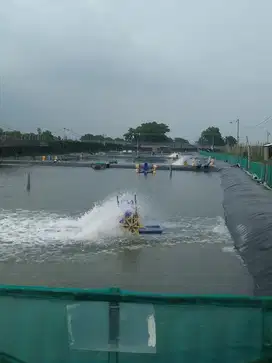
[[267, 136], [138, 137], [267, 133], [65, 133], [248, 153], [4, 135], [237, 129]]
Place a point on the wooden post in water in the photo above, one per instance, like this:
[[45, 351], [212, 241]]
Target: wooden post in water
[[171, 171], [28, 182]]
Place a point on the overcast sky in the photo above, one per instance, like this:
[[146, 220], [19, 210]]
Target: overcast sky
[[101, 66]]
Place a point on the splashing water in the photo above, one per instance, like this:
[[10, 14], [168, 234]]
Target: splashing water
[[182, 159], [198, 230], [38, 234], [41, 228]]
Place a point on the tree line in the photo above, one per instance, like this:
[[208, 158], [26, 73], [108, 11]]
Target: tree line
[[213, 137], [45, 135], [146, 132], [43, 142]]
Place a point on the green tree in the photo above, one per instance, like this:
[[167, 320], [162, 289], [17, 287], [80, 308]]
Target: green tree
[[108, 139], [15, 134], [47, 136], [130, 135], [98, 137], [211, 136], [91, 137], [87, 137], [230, 140], [148, 131], [30, 136]]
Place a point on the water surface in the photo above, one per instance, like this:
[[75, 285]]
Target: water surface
[[64, 231]]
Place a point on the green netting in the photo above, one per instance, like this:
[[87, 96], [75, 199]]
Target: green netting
[[269, 176], [254, 167], [42, 325], [244, 163], [258, 169]]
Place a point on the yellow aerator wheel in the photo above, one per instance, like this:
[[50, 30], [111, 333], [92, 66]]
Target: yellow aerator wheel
[[132, 224]]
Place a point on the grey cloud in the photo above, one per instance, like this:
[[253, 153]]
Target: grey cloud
[[101, 65]]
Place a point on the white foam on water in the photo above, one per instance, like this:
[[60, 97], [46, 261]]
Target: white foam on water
[[25, 233], [220, 227], [182, 159], [199, 230], [29, 228], [214, 224]]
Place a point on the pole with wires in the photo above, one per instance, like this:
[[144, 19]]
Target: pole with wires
[[237, 121], [267, 133], [238, 130], [267, 136]]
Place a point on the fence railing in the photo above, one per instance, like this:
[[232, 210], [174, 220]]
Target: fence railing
[[79, 325], [263, 171]]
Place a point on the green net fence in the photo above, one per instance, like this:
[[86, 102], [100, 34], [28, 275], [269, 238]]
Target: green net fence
[[42, 325], [262, 171]]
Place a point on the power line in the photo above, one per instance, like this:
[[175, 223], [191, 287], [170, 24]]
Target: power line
[[266, 119]]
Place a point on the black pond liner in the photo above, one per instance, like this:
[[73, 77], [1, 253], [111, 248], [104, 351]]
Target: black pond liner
[[248, 216]]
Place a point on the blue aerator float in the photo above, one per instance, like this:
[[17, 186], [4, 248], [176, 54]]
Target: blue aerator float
[[131, 221], [146, 169]]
